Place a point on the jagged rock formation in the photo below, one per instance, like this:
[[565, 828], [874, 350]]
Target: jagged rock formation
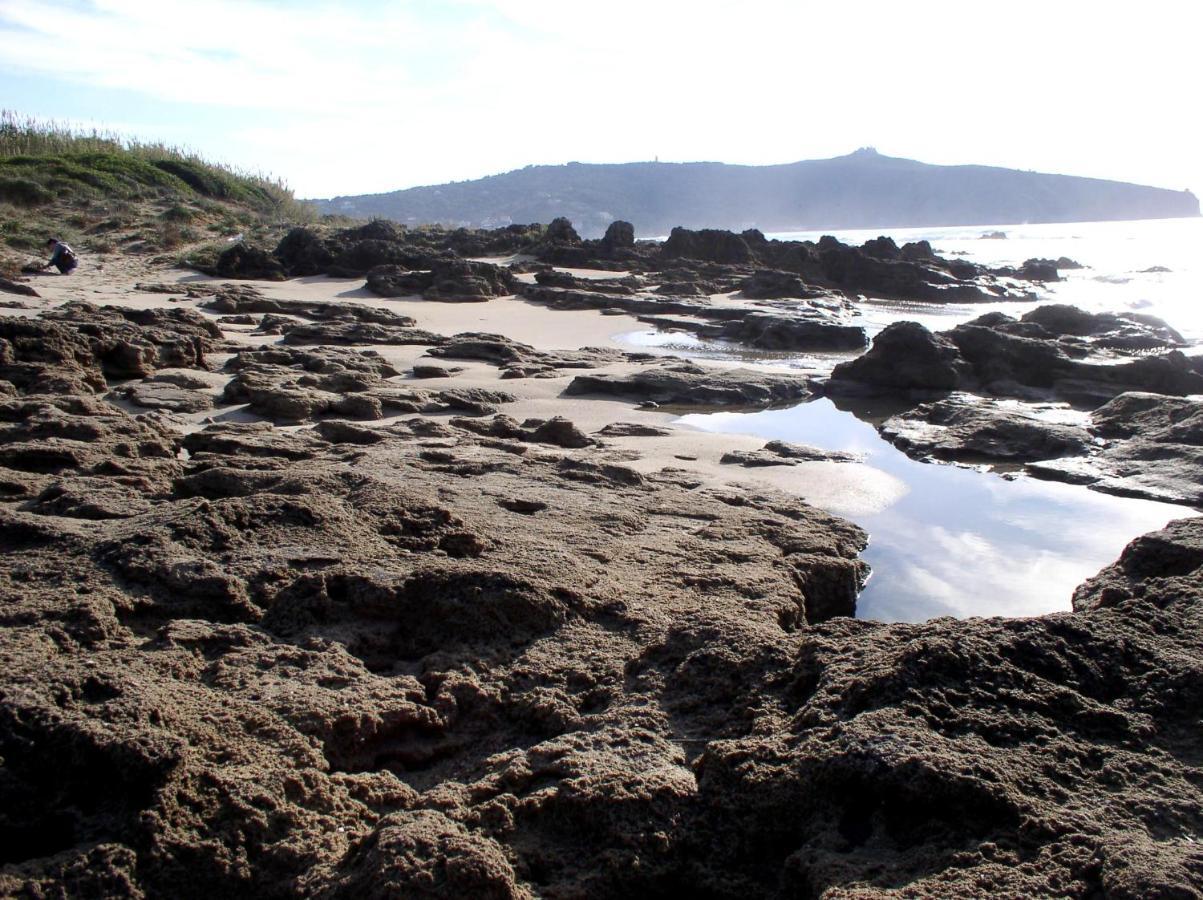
[[481, 657]]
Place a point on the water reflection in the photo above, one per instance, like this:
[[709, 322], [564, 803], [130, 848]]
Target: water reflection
[[962, 542]]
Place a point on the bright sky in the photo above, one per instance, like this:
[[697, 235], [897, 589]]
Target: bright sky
[[358, 97]]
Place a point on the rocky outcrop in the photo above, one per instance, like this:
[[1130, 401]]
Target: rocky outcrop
[[76, 347], [518, 360], [1148, 445], [482, 657], [687, 384], [453, 280], [244, 261], [905, 356], [619, 236], [810, 325], [782, 453], [708, 244], [8, 286], [969, 429], [287, 385], [1037, 357]]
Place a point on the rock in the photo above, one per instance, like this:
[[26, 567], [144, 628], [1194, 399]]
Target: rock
[[1039, 270], [340, 432], [73, 348], [917, 251], [431, 371], [781, 453], [15, 287], [905, 356], [466, 281], [397, 281], [1130, 332], [153, 394], [1152, 447], [812, 330], [357, 333], [968, 430], [246, 299], [453, 280], [771, 283], [881, 248], [634, 429], [707, 244], [560, 432], [686, 384], [998, 355], [619, 236], [243, 261], [1163, 566], [561, 231], [520, 360]]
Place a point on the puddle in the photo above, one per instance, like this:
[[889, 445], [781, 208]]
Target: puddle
[[962, 542]]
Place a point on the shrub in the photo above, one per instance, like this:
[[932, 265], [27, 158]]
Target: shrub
[[23, 192]]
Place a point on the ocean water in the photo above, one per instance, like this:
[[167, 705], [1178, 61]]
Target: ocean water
[[971, 541], [1120, 260]]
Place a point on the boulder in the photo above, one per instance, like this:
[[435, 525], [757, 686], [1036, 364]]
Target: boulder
[[905, 356], [244, 261], [619, 236], [708, 244], [560, 231]]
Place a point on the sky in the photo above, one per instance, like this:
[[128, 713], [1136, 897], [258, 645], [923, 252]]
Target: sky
[[360, 97]]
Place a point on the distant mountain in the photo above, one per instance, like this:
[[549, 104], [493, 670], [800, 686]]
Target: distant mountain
[[861, 190]]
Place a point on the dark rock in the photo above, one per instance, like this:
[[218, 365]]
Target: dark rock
[[153, 394], [1039, 270], [809, 330], [1163, 566], [560, 432], [968, 430], [15, 287], [431, 371], [917, 251], [771, 283], [882, 248], [468, 281], [781, 453], [905, 356], [634, 429], [356, 333], [244, 261], [561, 231], [688, 385], [619, 236], [707, 244], [998, 355], [1152, 448]]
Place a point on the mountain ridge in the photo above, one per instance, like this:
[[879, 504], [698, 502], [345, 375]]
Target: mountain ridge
[[863, 189]]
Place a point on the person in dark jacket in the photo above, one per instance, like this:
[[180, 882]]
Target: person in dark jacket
[[61, 256]]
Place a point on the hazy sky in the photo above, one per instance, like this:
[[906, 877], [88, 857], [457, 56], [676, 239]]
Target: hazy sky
[[355, 97]]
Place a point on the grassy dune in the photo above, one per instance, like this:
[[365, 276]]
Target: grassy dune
[[102, 192]]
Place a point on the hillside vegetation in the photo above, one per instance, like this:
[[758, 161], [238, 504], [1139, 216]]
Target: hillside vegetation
[[102, 192], [864, 189]]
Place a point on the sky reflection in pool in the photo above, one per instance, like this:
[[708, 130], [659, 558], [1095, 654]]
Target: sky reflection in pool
[[963, 542]]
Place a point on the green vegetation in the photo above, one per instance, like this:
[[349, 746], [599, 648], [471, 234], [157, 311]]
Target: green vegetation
[[104, 192]]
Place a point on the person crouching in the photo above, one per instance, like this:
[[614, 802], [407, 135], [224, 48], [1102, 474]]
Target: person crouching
[[61, 256]]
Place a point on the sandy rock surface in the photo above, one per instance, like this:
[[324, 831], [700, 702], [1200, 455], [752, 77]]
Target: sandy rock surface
[[313, 642]]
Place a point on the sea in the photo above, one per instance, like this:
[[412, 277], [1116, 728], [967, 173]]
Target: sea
[[976, 541]]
